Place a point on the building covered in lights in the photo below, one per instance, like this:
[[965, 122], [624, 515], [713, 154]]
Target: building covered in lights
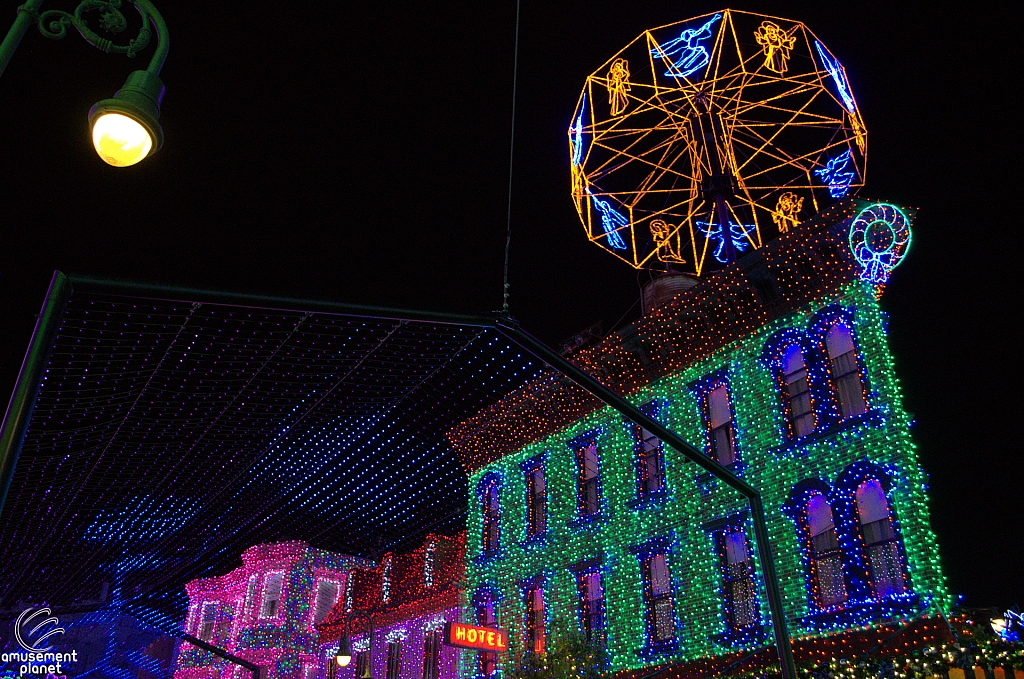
[[265, 612], [406, 598], [778, 367]]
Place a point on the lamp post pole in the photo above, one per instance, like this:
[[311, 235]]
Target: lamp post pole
[[125, 127]]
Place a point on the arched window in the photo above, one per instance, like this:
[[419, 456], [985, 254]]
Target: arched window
[[846, 379], [738, 574], [720, 425], [492, 515], [826, 564], [883, 554], [797, 392]]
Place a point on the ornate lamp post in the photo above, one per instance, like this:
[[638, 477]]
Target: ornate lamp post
[[344, 654], [125, 128]]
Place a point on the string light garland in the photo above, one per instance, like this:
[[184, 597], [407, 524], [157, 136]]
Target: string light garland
[[730, 329]]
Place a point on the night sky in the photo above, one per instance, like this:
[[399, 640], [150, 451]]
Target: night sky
[[362, 156]]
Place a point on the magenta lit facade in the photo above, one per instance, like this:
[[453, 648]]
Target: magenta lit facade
[[265, 612]]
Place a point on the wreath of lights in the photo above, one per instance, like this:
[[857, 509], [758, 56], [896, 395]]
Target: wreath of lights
[[879, 239]]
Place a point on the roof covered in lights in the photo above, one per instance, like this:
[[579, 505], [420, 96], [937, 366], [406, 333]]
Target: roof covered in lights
[[173, 429]]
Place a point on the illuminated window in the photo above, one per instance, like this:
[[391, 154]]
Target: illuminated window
[[718, 418], [797, 392], [492, 517], [431, 654], [535, 623], [650, 468], [828, 585], [536, 501], [661, 618], [394, 670], [272, 586], [591, 591], [250, 593], [883, 554], [847, 386], [208, 622], [326, 597], [738, 573], [589, 480], [485, 617]]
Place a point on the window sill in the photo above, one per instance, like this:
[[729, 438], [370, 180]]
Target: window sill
[[659, 649], [584, 522], [748, 636], [535, 541], [872, 418], [857, 613], [655, 499], [487, 558], [736, 468]]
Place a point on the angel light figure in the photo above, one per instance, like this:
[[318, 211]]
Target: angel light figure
[[786, 211], [692, 55], [776, 43], [668, 247], [618, 85]]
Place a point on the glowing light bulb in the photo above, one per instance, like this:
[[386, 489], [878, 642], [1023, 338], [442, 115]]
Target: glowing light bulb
[[119, 140], [343, 660]]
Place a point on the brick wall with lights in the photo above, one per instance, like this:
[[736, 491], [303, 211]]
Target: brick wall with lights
[[408, 598], [779, 367]]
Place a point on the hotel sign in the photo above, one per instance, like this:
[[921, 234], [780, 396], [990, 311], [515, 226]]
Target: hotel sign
[[477, 638]]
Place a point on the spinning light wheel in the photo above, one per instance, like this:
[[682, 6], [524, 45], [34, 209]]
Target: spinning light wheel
[[730, 119]]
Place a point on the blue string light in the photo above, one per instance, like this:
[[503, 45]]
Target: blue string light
[[839, 76], [611, 221], [693, 55], [836, 175]]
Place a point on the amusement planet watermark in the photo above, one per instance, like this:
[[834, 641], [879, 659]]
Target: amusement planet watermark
[[37, 656]]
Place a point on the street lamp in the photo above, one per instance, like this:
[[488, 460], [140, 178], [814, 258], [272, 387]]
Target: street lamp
[[125, 128], [344, 655]]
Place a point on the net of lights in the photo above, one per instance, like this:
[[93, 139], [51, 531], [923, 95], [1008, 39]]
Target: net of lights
[[317, 409], [840, 453]]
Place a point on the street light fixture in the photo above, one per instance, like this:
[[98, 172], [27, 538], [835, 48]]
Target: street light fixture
[[125, 129], [344, 655]]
